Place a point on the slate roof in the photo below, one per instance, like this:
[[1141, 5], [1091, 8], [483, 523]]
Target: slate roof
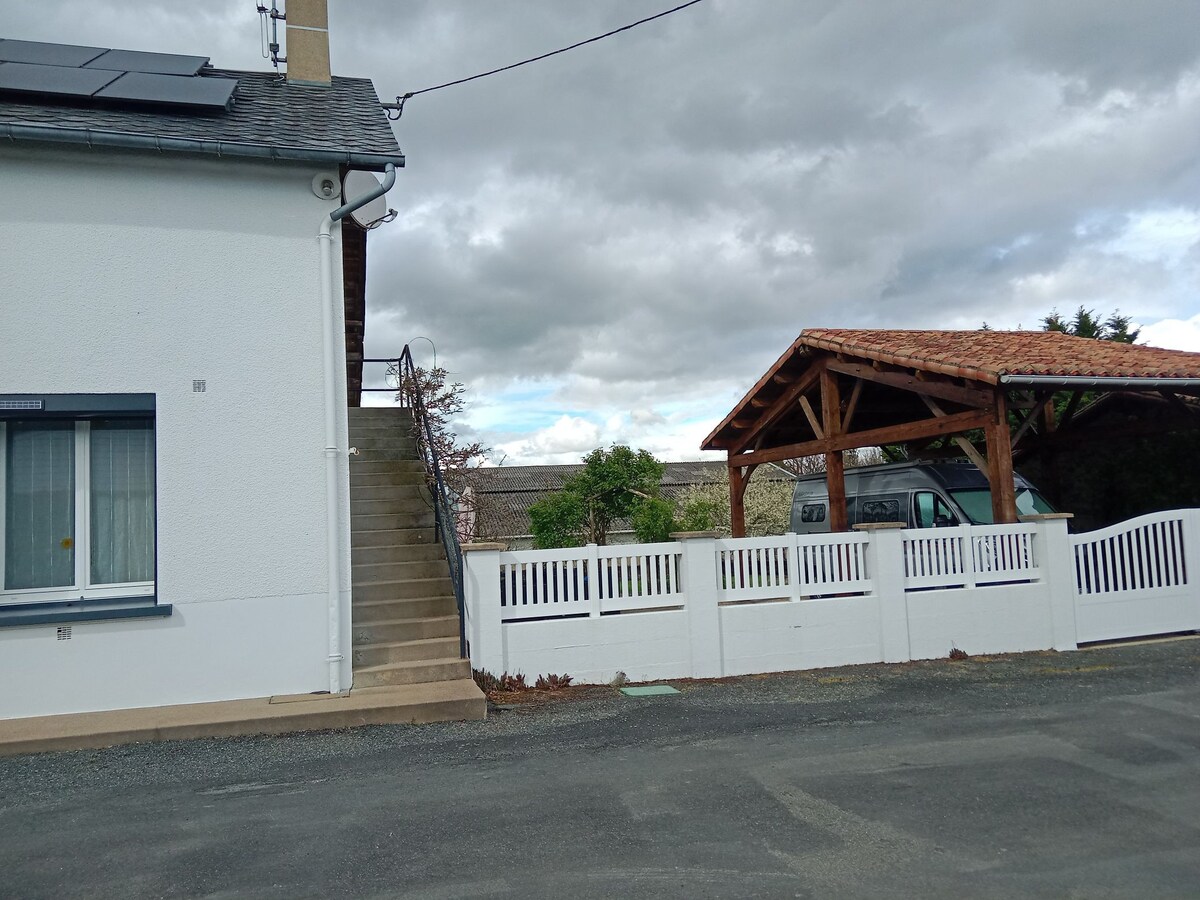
[[270, 118], [503, 494]]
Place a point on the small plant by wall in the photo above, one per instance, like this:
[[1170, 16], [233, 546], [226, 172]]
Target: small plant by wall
[[506, 683]]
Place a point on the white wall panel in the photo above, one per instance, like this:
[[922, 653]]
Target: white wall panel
[[128, 274]]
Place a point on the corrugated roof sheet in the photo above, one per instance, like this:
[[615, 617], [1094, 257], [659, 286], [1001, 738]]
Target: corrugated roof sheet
[[503, 494]]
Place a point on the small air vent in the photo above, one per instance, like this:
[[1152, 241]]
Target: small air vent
[[199, 386], [21, 404], [64, 632]]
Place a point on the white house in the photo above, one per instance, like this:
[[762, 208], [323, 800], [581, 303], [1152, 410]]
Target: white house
[[174, 483]]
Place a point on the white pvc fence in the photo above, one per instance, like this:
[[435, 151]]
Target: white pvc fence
[[1138, 577], [1139, 555], [966, 556], [589, 581], [790, 566], [705, 607]]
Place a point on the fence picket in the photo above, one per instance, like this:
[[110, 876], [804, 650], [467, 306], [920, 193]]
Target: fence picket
[[1144, 554]]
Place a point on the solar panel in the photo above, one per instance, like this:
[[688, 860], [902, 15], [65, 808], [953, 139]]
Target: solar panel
[[150, 63], [44, 54], [61, 70], [172, 90], [58, 81]]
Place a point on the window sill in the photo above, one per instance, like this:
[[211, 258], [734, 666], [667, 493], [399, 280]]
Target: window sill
[[69, 611]]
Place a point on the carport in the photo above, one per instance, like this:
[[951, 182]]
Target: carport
[[985, 392]]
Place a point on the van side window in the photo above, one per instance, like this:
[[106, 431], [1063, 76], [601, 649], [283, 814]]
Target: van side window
[[879, 511], [812, 512], [931, 511]]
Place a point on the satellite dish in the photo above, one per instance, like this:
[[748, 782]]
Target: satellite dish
[[356, 184]]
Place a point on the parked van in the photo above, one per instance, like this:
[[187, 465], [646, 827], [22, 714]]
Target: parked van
[[919, 494]]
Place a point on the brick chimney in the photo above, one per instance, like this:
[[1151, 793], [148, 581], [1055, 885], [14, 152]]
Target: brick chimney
[[308, 42]]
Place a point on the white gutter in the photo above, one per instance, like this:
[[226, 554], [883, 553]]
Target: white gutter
[[330, 359], [1088, 381]]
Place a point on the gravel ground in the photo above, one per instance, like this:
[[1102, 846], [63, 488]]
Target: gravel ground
[[1038, 774]]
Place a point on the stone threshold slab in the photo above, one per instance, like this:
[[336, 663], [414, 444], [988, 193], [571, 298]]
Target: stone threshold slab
[[414, 704]]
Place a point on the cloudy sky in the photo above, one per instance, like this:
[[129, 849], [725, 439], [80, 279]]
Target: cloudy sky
[[613, 244]]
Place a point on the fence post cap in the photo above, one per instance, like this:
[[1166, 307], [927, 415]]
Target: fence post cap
[[484, 545], [879, 526], [1045, 517], [693, 535]]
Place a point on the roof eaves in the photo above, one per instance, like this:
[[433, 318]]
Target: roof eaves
[[1104, 382], [93, 138], [797, 348]]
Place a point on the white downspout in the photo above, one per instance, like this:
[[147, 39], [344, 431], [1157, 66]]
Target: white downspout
[[332, 462]]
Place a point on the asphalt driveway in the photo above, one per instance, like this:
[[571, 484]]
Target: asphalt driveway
[[1042, 775]]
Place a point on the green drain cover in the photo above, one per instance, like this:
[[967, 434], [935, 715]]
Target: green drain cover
[[649, 690]]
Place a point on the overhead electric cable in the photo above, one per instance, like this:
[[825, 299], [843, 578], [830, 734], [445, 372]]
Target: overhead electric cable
[[398, 106]]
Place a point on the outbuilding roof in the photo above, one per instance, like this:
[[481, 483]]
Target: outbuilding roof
[[503, 494], [269, 118], [984, 359], [989, 356]]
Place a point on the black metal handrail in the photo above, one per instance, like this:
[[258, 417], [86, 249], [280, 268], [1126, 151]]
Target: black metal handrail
[[409, 391]]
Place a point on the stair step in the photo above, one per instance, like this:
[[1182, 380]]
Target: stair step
[[373, 573], [378, 438], [391, 455], [413, 507], [389, 493], [383, 425], [360, 466], [377, 415], [386, 479], [404, 589], [395, 552], [366, 492], [392, 630], [412, 672], [394, 537], [389, 521], [411, 491], [381, 654], [395, 608]]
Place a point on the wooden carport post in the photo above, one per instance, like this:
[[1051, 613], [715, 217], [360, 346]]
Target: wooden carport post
[[999, 460], [739, 478], [835, 472], [737, 502]]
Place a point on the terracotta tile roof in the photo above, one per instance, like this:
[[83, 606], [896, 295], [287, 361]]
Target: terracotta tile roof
[[987, 355]]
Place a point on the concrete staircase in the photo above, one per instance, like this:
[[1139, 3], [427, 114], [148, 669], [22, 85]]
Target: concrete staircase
[[405, 619]]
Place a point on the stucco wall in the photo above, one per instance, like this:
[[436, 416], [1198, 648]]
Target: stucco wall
[[128, 273]]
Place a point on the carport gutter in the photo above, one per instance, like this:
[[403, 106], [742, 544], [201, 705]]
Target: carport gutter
[[1108, 383]]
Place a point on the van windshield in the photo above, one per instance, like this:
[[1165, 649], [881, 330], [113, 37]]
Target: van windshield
[[977, 504]]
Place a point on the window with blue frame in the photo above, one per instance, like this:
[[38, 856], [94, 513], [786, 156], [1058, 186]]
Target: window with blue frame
[[77, 493]]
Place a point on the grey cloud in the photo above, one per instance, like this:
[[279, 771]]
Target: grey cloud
[[653, 218]]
